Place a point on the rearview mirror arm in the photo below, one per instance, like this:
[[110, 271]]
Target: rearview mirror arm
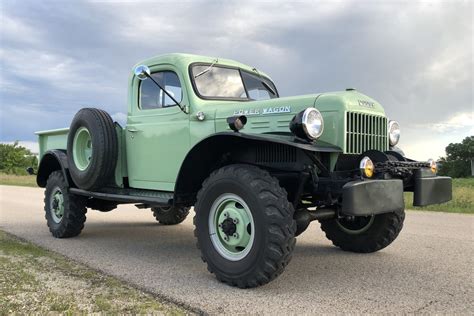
[[166, 92]]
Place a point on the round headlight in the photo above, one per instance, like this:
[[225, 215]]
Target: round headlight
[[307, 124], [313, 123], [367, 167], [393, 132]]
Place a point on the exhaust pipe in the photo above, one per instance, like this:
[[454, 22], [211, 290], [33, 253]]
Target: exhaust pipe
[[303, 217]]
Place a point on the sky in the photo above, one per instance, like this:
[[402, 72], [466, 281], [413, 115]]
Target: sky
[[415, 58]]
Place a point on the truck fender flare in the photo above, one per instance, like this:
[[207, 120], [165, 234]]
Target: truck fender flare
[[51, 161], [205, 156]]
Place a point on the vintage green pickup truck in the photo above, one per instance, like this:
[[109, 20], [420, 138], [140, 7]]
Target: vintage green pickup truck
[[215, 134]]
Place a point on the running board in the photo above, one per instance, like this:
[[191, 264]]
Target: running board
[[158, 198]]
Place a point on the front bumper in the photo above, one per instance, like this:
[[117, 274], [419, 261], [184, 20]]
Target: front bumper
[[371, 197], [429, 190]]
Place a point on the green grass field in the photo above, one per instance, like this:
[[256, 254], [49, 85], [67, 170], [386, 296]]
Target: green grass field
[[11, 179], [463, 194], [462, 202]]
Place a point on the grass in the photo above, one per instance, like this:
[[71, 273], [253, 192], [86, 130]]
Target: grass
[[36, 281], [462, 202], [463, 194], [24, 181]]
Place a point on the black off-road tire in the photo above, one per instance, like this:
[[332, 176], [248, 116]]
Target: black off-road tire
[[74, 217], [105, 148], [170, 215], [274, 238], [381, 233]]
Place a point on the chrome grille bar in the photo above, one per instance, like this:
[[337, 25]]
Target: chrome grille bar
[[365, 132]]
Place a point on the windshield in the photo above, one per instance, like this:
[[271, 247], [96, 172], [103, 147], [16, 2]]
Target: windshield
[[231, 83]]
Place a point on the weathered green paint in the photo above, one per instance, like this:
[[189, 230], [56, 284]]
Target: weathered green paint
[[155, 142]]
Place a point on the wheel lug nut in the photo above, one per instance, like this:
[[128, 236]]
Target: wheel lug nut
[[226, 214], [226, 238], [236, 235], [236, 221], [220, 225]]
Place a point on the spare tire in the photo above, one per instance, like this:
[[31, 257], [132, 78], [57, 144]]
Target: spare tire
[[92, 148]]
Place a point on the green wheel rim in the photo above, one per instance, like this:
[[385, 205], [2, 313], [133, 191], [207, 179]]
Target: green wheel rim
[[56, 205], [231, 227], [82, 148], [356, 226]]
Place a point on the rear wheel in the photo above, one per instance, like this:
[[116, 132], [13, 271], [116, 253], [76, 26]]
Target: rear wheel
[[92, 148], [244, 226], [65, 213], [364, 233], [170, 215]]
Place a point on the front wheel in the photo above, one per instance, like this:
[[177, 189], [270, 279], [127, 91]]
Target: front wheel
[[364, 234], [244, 226]]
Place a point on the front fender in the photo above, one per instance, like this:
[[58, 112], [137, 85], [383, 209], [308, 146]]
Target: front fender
[[210, 154]]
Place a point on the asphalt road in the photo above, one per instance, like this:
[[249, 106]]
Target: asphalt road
[[428, 269]]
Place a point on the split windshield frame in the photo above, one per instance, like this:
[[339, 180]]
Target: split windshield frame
[[255, 74]]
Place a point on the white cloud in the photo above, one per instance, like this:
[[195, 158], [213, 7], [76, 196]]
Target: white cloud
[[462, 121], [61, 72], [120, 118], [456, 122], [423, 141], [16, 30]]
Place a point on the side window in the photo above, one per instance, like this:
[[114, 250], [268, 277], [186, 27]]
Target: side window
[[152, 97]]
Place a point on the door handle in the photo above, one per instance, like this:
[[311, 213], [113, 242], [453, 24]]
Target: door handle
[[133, 130]]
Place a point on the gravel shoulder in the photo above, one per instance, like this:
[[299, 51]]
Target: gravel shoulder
[[38, 281]]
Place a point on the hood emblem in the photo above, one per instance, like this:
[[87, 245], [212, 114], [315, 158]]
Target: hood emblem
[[271, 110], [366, 104]]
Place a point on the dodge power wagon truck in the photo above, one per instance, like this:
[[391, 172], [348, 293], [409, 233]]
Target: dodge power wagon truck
[[214, 134]]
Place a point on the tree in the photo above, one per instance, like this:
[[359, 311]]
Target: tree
[[15, 159], [457, 163]]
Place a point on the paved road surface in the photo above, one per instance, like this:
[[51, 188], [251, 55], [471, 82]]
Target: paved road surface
[[429, 268]]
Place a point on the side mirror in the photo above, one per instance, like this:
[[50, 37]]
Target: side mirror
[[142, 72]]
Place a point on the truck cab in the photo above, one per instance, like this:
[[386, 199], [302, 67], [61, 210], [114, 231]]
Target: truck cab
[[214, 134]]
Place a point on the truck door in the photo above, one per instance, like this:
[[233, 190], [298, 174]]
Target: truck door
[[157, 132]]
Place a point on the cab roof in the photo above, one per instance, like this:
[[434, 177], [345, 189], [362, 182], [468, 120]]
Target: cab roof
[[184, 60]]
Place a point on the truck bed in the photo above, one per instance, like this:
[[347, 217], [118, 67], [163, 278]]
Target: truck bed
[[52, 139], [57, 139]]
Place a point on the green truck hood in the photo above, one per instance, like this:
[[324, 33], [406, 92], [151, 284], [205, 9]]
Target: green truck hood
[[274, 116]]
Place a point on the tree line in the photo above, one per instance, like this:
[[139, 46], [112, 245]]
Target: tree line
[[457, 163], [14, 159]]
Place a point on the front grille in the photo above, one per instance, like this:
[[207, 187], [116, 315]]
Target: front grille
[[365, 132], [275, 153]]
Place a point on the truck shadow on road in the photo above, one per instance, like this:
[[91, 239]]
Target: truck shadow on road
[[314, 260]]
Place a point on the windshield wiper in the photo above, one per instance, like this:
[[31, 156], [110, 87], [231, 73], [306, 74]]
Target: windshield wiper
[[207, 69]]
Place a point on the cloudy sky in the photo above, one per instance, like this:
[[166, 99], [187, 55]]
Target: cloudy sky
[[416, 58]]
